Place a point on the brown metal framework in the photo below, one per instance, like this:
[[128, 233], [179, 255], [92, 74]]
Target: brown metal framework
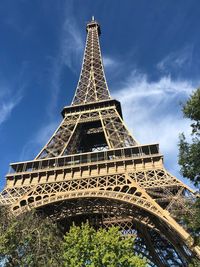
[[93, 169]]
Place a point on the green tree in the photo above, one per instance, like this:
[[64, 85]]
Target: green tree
[[189, 160], [29, 240], [189, 153], [83, 246]]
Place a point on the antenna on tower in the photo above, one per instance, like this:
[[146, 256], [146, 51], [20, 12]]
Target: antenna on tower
[[92, 18]]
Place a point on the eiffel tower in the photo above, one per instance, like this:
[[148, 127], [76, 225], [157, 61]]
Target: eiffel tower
[[92, 168]]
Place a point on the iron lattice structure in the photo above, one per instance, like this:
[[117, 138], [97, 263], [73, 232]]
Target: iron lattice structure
[[93, 169]]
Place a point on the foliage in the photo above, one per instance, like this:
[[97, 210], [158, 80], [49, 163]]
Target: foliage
[[195, 263], [189, 153], [193, 224], [83, 246], [191, 110], [189, 160], [29, 240]]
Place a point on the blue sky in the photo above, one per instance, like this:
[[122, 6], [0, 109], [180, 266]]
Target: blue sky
[[151, 53]]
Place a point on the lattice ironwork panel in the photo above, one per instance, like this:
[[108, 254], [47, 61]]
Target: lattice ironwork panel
[[11, 195], [60, 138], [154, 178], [170, 193], [92, 84], [115, 130], [111, 186]]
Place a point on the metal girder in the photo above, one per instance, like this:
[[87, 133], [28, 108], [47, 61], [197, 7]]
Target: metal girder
[[66, 138]]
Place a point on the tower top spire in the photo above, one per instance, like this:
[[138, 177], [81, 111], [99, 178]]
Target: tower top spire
[[93, 24], [92, 86]]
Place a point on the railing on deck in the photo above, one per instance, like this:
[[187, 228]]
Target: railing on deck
[[85, 158]]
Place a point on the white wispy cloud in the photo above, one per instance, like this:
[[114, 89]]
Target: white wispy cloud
[[177, 60], [71, 44], [109, 62], [38, 141], [12, 91], [152, 111], [6, 109], [8, 102]]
